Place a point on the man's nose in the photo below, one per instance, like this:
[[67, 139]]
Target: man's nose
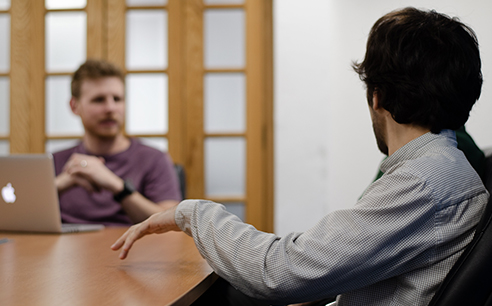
[[110, 104]]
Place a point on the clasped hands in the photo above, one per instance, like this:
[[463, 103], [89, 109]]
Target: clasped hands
[[89, 172]]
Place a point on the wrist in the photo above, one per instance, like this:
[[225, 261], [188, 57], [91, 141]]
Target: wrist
[[117, 186], [63, 182], [126, 190]]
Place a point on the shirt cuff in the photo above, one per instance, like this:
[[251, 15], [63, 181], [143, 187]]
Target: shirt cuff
[[183, 214]]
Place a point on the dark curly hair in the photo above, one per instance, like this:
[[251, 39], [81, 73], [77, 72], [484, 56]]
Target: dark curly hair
[[425, 68]]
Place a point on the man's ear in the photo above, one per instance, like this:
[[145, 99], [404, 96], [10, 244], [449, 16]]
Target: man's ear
[[74, 105], [376, 104]]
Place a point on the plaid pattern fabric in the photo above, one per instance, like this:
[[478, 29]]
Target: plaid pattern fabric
[[393, 247]]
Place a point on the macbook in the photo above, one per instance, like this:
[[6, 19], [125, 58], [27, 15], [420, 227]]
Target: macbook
[[29, 199]]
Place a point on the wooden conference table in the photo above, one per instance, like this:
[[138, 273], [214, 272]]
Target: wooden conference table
[[81, 269]]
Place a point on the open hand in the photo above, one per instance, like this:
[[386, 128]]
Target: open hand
[[156, 224]]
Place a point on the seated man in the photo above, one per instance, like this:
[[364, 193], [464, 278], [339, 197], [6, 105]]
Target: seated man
[[109, 178], [422, 72]]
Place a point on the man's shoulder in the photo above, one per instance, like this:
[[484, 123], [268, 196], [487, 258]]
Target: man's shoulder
[[143, 150], [66, 152], [446, 172], [441, 164], [61, 157]]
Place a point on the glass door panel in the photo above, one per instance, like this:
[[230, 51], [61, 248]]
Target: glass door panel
[[55, 145], [237, 208], [212, 2], [4, 42], [146, 61], [4, 4], [66, 49], [225, 167], [146, 39], [156, 142], [146, 103], [224, 38], [145, 2], [4, 147], [66, 41], [4, 106], [59, 117], [4, 77], [65, 4], [225, 103]]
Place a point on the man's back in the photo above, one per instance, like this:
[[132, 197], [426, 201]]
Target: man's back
[[434, 199]]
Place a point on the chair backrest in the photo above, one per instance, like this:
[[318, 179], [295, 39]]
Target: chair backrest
[[488, 169], [180, 172], [469, 282]]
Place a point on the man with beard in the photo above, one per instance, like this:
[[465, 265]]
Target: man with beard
[[422, 71], [109, 178]]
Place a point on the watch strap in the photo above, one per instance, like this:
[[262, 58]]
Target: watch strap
[[128, 189]]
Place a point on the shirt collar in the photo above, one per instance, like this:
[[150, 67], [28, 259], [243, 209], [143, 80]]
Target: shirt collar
[[418, 147]]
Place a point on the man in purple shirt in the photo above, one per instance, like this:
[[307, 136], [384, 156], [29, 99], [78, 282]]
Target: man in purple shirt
[[109, 178]]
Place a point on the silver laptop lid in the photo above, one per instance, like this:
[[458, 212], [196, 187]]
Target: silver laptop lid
[[29, 200]]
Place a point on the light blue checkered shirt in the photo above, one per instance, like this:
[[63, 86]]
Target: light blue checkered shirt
[[393, 248]]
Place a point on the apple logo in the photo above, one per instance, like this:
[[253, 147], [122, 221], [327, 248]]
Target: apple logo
[[8, 194]]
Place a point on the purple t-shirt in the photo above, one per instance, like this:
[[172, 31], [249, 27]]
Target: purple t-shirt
[[151, 172]]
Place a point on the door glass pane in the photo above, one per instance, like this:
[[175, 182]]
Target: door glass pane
[[159, 143], [65, 40], [4, 4], [223, 1], [4, 42], [65, 4], [238, 209], [145, 2], [4, 147], [146, 103], [59, 117], [224, 38], [225, 162], [146, 39], [55, 145], [225, 102], [4, 106]]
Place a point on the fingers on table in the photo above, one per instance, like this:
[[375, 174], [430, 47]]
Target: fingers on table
[[126, 241]]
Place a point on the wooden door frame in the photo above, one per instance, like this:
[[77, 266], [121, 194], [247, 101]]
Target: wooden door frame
[[27, 76]]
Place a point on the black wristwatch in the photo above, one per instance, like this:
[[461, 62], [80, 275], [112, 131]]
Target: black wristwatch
[[128, 189]]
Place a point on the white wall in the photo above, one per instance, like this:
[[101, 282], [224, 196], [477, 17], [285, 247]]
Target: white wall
[[325, 152]]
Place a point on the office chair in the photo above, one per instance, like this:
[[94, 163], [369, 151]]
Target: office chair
[[180, 172], [488, 169], [469, 282]]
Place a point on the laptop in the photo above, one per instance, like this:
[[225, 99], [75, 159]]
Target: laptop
[[29, 199]]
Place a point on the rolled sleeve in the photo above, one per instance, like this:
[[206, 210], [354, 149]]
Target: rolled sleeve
[[183, 214]]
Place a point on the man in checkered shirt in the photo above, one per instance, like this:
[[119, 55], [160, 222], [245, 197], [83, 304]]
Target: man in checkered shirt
[[422, 71]]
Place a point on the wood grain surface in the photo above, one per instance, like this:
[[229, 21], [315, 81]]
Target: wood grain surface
[[81, 269]]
